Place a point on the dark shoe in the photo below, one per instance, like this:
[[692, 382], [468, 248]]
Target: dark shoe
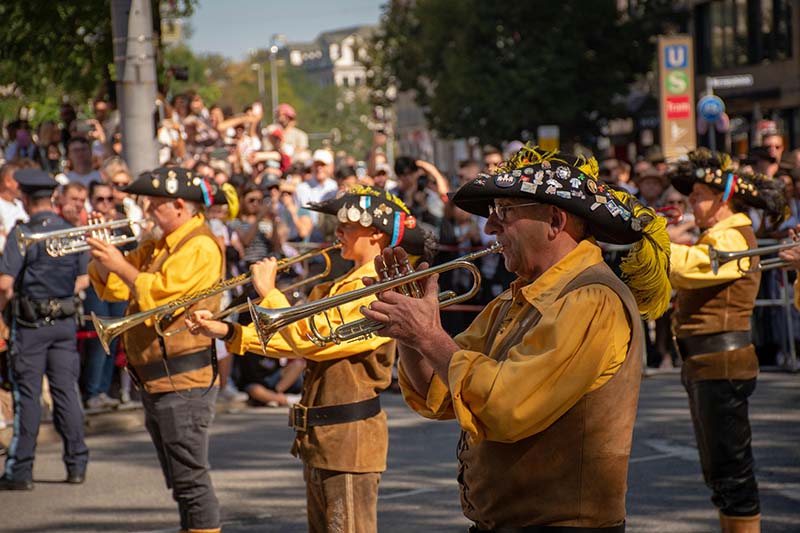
[[76, 478], [15, 484]]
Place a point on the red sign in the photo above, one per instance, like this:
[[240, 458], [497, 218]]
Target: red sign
[[678, 107]]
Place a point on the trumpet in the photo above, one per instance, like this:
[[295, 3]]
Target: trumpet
[[267, 322], [67, 241], [109, 328], [719, 258]]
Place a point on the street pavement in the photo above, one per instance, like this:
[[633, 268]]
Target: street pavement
[[260, 484]]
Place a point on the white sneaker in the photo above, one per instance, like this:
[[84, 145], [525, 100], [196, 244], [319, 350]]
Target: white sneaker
[[229, 394], [292, 399], [101, 401]]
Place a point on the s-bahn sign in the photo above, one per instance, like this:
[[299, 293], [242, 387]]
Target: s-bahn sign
[[676, 95]]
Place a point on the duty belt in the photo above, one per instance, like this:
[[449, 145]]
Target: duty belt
[[301, 417], [715, 342]]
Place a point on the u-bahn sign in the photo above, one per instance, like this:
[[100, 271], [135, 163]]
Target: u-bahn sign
[[676, 95]]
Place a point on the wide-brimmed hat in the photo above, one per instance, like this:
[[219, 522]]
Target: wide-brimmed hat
[[611, 215], [373, 206], [715, 170], [177, 182], [564, 180]]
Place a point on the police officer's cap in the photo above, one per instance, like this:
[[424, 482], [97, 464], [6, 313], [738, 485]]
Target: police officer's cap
[[35, 183]]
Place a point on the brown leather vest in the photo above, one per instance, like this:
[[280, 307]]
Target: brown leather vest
[[141, 342], [724, 307], [359, 446], [574, 473]]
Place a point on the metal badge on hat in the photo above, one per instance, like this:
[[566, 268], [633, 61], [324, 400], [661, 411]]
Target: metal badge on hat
[[504, 180], [353, 214], [171, 184], [154, 181], [341, 214]]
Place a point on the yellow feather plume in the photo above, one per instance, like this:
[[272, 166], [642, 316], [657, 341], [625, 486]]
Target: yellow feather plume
[[645, 269]]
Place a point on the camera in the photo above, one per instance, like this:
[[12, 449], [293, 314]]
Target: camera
[[179, 73], [84, 127], [422, 182]]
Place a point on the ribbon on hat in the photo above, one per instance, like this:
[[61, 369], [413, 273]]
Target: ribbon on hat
[[208, 195], [399, 228], [730, 188]]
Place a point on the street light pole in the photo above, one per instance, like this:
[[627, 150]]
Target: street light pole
[[260, 73], [273, 71]]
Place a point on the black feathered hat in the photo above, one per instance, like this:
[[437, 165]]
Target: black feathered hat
[[373, 206], [176, 182], [615, 216], [715, 170]]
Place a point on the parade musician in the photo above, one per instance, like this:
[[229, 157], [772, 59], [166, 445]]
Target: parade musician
[[545, 382], [342, 437], [176, 373], [712, 326]]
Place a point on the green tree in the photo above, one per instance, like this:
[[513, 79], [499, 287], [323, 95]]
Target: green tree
[[498, 69], [63, 47]]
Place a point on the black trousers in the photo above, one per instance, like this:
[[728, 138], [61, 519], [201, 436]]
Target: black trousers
[[722, 429], [47, 350], [178, 423]]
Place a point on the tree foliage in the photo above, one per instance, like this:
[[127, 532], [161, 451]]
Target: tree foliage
[[63, 46], [498, 69]]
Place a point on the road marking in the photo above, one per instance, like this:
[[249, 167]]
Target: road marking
[[406, 493], [787, 490]]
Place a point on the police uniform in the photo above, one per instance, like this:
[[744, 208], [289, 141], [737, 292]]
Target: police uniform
[[43, 341]]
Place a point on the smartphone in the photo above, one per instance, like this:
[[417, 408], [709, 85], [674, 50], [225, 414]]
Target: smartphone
[[258, 109], [84, 127]]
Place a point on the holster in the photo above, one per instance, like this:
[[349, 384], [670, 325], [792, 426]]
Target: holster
[[36, 313]]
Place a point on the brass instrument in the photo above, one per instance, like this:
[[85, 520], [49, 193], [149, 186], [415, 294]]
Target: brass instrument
[[108, 328], [719, 258], [67, 241], [269, 321]]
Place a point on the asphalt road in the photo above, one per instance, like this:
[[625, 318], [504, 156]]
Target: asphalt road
[[260, 485]]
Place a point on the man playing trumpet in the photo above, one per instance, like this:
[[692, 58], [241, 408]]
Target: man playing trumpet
[[544, 383], [342, 437], [711, 323], [176, 374]]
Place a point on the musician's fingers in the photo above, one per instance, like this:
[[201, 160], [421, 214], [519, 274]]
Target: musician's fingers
[[372, 314], [432, 288]]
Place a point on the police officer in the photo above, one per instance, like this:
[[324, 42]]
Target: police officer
[[40, 292]]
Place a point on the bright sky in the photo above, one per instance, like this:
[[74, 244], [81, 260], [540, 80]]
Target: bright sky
[[234, 27]]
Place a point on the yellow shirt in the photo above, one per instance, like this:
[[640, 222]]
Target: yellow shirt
[[690, 266], [190, 269], [292, 341], [577, 346]]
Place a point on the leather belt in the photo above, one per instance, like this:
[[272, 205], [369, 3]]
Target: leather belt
[[715, 342], [551, 529], [176, 365], [301, 417]]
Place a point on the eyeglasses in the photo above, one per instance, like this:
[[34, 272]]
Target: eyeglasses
[[254, 199], [500, 210], [99, 199], [120, 183]]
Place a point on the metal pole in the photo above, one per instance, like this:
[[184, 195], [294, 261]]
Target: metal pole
[[273, 74], [134, 59], [262, 91]]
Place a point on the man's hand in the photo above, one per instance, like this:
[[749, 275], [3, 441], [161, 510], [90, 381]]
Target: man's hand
[[202, 323], [110, 259], [264, 273], [406, 319], [792, 255]]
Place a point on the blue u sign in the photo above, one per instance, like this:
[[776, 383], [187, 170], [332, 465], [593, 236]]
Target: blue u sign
[[676, 56]]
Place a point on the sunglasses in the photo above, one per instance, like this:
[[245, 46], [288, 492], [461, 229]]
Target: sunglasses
[[500, 211], [254, 199], [99, 199], [120, 183]]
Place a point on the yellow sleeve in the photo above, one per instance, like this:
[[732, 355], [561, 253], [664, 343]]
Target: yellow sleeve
[[690, 266], [797, 292], [578, 344], [437, 403], [293, 341], [114, 289]]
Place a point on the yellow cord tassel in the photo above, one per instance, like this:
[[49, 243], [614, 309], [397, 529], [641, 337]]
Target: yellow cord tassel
[[645, 269]]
